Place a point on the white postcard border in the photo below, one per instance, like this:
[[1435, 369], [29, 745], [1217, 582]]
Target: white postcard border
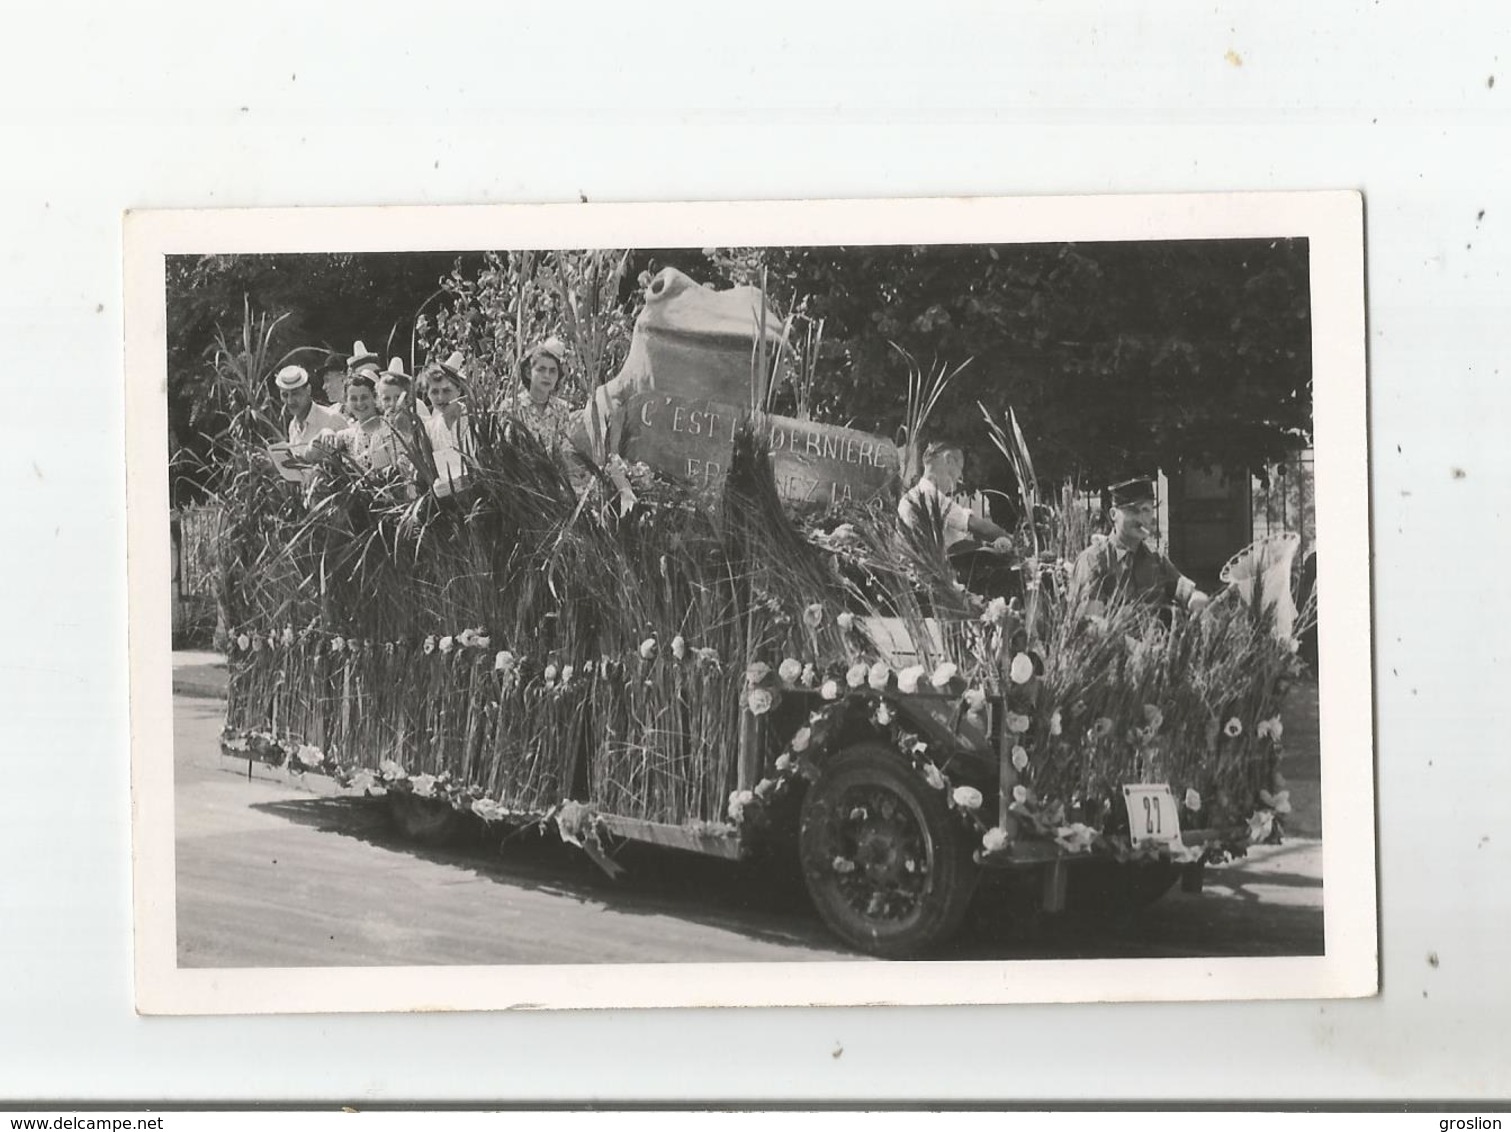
[[1332, 222]]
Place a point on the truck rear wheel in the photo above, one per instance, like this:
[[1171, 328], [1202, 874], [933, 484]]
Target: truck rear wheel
[[886, 863]]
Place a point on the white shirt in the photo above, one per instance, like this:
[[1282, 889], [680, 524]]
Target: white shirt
[[443, 435], [303, 433], [923, 498]]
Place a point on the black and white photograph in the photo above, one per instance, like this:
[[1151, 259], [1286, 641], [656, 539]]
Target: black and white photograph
[[918, 602]]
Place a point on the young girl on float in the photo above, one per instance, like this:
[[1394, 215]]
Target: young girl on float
[[447, 426]]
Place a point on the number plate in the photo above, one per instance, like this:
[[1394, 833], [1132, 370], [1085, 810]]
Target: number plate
[[1152, 817]]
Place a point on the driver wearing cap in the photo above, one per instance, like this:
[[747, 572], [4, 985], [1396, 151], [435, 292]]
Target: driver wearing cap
[[307, 420], [1123, 567]]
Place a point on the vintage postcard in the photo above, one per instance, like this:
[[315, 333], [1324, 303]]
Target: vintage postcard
[[681, 605]]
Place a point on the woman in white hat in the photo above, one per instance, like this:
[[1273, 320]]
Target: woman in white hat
[[397, 401], [369, 440], [536, 406]]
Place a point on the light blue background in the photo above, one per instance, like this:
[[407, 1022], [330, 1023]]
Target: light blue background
[[284, 103]]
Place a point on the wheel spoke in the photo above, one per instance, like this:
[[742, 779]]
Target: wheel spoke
[[884, 851]]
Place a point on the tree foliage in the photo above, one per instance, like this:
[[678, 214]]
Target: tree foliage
[[1117, 357]]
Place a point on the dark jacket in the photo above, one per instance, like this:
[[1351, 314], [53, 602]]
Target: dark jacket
[[1140, 575]]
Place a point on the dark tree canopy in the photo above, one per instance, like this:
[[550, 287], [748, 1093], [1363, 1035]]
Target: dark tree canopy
[[1117, 357]]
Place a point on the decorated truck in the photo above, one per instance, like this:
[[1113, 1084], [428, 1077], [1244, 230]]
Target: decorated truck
[[750, 657]]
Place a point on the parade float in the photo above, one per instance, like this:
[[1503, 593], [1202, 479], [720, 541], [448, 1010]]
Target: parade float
[[754, 658]]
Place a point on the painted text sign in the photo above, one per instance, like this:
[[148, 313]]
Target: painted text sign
[[691, 440]]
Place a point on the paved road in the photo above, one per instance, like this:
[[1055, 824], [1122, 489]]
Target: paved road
[[270, 876]]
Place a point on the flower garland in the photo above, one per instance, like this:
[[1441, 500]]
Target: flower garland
[[1075, 825]]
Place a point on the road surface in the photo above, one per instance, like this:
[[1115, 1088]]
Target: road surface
[[268, 875]]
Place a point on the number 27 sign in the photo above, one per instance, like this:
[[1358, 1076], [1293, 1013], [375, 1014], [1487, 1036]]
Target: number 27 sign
[[1152, 816]]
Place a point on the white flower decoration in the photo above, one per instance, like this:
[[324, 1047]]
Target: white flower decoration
[[1020, 759], [758, 700], [309, 755], [809, 676], [944, 674], [1154, 719], [1017, 723], [448, 643], [783, 763], [429, 645], [1020, 794], [995, 840], [800, 739], [391, 771], [878, 676], [883, 714], [737, 803], [1054, 722], [679, 646], [1271, 728], [975, 701], [487, 809], [932, 776], [996, 611], [504, 661], [1261, 825], [424, 785], [648, 648], [856, 676], [841, 865], [1022, 668], [1232, 729], [288, 636], [830, 690], [845, 621], [907, 679], [1075, 838], [243, 642], [549, 675], [757, 672], [789, 670], [967, 797], [1280, 802]]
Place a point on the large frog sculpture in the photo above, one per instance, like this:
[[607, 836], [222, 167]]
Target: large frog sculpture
[[689, 380], [690, 342]]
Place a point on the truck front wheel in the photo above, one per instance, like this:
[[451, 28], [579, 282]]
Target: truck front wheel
[[886, 863]]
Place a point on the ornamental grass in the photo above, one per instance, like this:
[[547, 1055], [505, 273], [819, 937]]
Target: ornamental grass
[[530, 643]]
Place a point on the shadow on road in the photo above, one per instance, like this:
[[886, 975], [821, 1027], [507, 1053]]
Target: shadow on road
[[762, 903], [766, 900]]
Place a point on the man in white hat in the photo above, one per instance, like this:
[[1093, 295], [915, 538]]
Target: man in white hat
[[306, 419]]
